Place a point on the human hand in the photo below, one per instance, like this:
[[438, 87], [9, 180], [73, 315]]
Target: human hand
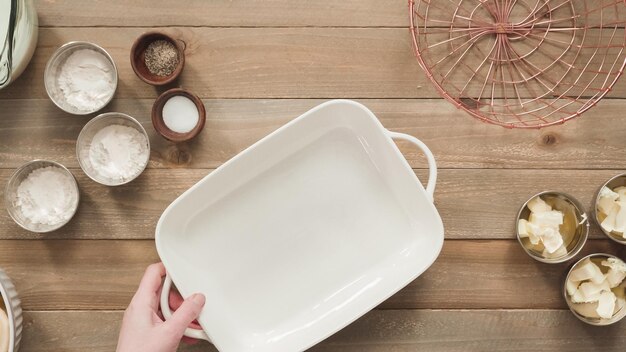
[[143, 330]]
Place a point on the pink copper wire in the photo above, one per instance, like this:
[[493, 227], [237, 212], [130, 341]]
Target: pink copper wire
[[520, 63]]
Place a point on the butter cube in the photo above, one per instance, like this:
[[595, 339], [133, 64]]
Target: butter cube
[[590, 289], [587, 270], [571, 287], [522, 225], [609, 222], [560, 252], [620, 218], [533, 231], [616, 273], [606, 304], [606, 200], [552, 218], [614, 277], [551, 239], [621, 191], [538, 205], [588, 310], [579, 297]]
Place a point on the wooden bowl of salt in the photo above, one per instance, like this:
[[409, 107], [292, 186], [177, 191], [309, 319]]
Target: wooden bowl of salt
[[178, 115]]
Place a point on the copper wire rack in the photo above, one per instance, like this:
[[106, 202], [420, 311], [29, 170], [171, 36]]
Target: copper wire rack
[[520, 63]]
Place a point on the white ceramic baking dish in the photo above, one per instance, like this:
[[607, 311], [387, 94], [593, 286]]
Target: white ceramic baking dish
[[301, 233], [13, 309]]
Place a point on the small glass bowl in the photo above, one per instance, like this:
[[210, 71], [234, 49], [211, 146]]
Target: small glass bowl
[[55, 63], [83, 143], [10, 195], [612, 183], [566, 204], [592, 321]]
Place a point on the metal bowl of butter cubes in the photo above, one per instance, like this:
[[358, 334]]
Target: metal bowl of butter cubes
[[552, 227], [610, 208], [595, 289]]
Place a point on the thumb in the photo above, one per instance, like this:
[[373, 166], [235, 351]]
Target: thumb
[[186, 313]]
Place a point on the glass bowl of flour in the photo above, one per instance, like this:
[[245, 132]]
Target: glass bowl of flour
[[113, 149], [80, 78], [42, 196]]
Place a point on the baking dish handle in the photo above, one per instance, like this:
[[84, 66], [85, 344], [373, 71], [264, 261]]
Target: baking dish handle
[[167, 312], [432, 166]]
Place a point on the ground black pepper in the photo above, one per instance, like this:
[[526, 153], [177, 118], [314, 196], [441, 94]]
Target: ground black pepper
[[161, 58]]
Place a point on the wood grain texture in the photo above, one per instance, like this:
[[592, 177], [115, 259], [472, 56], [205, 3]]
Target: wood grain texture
[[256, 62], [268, 63], [473, 203], [95, 275], [31, 129], [251, 13], [247, 13], [377, 331]]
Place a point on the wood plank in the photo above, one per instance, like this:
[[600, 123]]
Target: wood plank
[[270, 63], [119, 13], [242, 13], [31, 129], [474, 204], [377, 331], [95, 275], [256, 62]]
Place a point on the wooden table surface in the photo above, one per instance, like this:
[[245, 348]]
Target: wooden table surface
[[258, 64]]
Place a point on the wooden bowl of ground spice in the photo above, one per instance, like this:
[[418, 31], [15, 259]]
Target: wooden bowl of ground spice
[[157, 58]]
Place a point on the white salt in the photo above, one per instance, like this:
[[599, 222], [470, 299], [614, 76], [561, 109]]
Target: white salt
[[47, 196], [119, 153], [180, 114]]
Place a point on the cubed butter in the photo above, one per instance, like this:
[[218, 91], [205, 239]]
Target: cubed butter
[[571, 287], [606, 304], [621, 192], [552, 218], [591, 289], [609, 223], [580, 297], [522, 225], [617, 271], [551, 239], [533, 230], [587, 270], [588, 310], [620, 218], [537, 205], [560, 252], [606, 200]]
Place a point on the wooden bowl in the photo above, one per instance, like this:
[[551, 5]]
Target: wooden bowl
[[161, 127], [137, 58]]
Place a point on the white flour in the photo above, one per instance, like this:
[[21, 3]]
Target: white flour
[[47, 196], [118, 152], [86, 80]]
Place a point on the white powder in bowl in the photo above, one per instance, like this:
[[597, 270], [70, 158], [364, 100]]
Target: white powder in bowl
[[180, 114], [119, 153], [86, 80], [47, 196]]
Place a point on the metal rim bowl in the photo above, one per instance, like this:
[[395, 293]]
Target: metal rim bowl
[[10, 196], [579, 238], [612, 183], [13, 310], [83, 143], [591, 321], [54, 64]]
